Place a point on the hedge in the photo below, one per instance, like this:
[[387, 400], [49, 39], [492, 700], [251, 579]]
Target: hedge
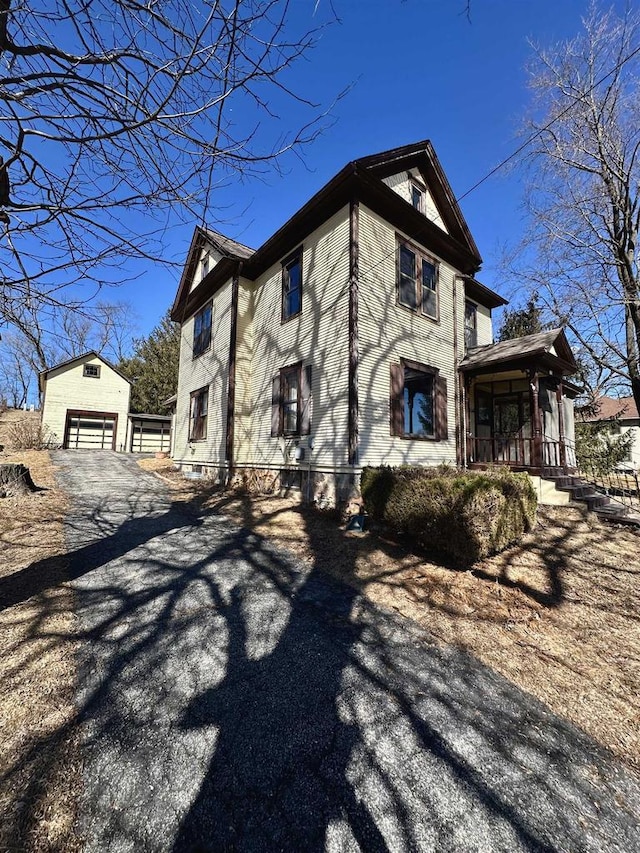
[[466, 515]]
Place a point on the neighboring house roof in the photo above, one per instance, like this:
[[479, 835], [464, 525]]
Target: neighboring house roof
[[42, 376], [550, 348], [609, 408], [360, 179]]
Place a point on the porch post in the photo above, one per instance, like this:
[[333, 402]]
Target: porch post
[[563, 449], [535, 416], [462, 384]]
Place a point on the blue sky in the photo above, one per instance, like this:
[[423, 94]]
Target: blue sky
[[417, 69]]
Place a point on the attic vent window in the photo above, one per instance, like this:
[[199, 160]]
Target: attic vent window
[[417, 197], [92, 370], [205, 264]]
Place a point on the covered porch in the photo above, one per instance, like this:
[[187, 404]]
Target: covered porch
[[517, 404]]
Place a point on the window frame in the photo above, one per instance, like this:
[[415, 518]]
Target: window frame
[[420, 257], [424, 375], [198, 419], [86, 367], [397, 401], [199, 348], [468, 303], [304, 401], [290, 371], [287, 263], [416, 187]]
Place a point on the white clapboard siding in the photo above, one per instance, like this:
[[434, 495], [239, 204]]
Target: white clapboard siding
[[388, 332], [210, 370], [317, 337], [401, 184]]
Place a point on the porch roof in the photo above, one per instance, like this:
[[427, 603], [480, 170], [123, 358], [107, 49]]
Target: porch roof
[[548, 349]]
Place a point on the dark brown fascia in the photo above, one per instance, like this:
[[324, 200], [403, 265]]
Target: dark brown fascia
[[532, 360], [351, 183], [191, 302], [483, 295], [422, 156], [197, 242]]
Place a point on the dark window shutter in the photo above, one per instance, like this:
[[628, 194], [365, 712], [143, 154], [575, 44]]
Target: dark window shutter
[[442, 429], [276, 409], [396, 399], [306, 412]]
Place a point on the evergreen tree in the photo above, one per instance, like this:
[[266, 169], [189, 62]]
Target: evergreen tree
[[521, 321], [153, 368]]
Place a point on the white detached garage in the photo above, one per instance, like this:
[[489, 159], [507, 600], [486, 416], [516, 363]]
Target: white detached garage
[[86, 403]]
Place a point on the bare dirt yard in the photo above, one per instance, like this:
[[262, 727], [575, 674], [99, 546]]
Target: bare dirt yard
[[39, 755], [558, 615]]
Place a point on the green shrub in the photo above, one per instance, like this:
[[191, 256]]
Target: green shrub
[[467, 515]]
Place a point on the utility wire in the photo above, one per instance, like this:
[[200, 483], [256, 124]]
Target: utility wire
[[526, 143]]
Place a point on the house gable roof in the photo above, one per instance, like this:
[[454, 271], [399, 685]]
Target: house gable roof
[[43, 374], [231, 251], [360, 180], [422, 156], [550, 348]]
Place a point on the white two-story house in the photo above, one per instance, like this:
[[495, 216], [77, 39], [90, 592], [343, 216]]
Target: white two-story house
[[358, 334]]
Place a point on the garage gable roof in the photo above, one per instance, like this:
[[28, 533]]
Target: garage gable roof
[[42, 376]]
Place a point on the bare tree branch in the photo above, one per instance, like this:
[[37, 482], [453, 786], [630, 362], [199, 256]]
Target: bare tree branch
[[117, 108], [581, 251]]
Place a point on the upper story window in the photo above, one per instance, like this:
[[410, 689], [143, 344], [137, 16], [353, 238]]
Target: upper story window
[[417, 197], [198, 414], [202, 330], [92, 370], [470, 324], [417, 281], [205, 264], [292, 286]]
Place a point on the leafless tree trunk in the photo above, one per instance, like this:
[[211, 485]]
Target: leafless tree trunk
[[115, 111], [584, 197]]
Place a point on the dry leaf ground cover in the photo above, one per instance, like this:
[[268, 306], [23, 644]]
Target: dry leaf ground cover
[[39, 756], [558, 615]]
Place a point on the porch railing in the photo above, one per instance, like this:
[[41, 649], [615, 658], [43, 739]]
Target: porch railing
[[520, 451], [623, 487]]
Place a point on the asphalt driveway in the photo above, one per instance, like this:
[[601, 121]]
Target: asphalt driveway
[[234, 700]]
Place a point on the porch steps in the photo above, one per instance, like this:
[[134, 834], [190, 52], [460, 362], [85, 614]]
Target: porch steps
[[583, 492]]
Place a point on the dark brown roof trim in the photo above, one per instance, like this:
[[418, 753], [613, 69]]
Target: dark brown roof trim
[[422, 155], [480, 293], [357, 181]]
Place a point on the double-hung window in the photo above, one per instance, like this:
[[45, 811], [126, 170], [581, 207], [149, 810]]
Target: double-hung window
[[202, 330], [418, 401], [470, 324], [417, 281], [198, 414], [292, 286], [290, 390], [291, 405]]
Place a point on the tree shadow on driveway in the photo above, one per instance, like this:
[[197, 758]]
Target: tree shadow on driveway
[[233, 699]]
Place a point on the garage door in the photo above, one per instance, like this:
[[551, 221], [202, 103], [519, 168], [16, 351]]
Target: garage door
[[150, 436], [90, 431]]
